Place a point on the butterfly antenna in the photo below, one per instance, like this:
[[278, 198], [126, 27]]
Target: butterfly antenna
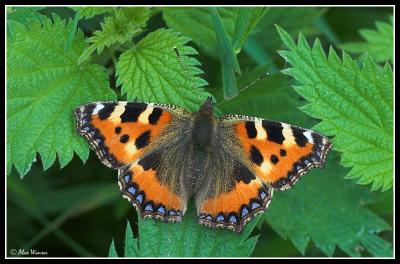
[[184, 66], [245, 88]]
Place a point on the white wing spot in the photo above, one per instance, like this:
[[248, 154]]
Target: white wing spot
[[266, 167], [261, 134], [288, 135], [144, 116], [97, 108], [308, 135], [131, 148], [118, 111]]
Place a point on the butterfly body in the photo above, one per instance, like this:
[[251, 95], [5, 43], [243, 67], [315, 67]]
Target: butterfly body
[[228, 165]]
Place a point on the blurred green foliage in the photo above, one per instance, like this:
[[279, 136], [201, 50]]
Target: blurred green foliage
[[76, 210]]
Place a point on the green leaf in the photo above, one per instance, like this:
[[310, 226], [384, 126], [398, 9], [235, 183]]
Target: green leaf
[[136, 15], [44, 85], [120, 28], [89, 12], [378, 43], [112, 252], [329, 211], [72, 28], [247, 19], [197, 24], [151, 71], [355, 106], [23, 15], [188, 239], [227, 57], [131, 243]]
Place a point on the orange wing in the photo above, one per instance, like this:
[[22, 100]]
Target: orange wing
[[141, 185], [279, 153], [232, 208], [256, 155], [120, 132], [130, 136]]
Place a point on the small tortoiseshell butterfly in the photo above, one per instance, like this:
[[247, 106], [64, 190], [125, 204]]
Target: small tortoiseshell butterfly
[[229, 165]]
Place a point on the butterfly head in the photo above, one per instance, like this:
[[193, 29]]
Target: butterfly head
[[206, 109]]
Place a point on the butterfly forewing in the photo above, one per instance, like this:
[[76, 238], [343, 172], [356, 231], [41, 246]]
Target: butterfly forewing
[[279, 153]]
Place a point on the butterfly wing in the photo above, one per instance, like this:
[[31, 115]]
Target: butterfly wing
[[233, 198], [252, 157], [131, 137], [279, 153]]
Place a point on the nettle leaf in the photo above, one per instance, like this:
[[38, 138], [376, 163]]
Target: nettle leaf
[[23, 15], [151, 71], [378, 43], [120, 28], [188, 239], [89, 12], [137, 15], [44, 85], [355, 105], [131, 248], [328, 210], [197, 23], [112, 252]]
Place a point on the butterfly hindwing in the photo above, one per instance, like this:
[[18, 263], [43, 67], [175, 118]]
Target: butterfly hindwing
[[129, 136], [232, 203], [231, 193], [279, 153], [141, 184]]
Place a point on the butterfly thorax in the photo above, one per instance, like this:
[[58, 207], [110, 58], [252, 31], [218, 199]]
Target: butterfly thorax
[[203, 131], [203, 136]]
